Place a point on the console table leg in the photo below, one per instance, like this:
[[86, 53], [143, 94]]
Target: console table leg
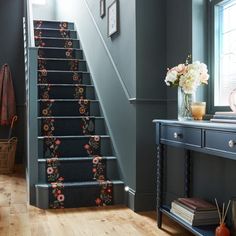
[[159, 183], [187, 174]]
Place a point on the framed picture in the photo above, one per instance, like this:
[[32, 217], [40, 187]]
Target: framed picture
[[113, 18], [102, 8]]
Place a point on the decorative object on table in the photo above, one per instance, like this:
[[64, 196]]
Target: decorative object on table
[[198, 110], [222, 229], [7, 151], [195, 211], [224, 117], [7, 96], [113, 18], [187, 77], [102, 8], [232, 100]]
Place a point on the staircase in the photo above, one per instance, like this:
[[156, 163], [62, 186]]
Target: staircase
[[76, 164]]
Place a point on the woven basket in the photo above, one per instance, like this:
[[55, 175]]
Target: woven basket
[[7, 155]]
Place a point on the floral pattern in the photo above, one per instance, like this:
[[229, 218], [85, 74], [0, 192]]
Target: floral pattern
[[42, 64], [41, 54], [52, 169], [99, 168], [58, 194], [84, 107], [69, 53], [74, 65], [77, 78], [93, 147], [51, 146], [42, 77], [68, 44], [88, 125], [64, 33], [48, 127], [47, 107], [80, 92], [106, 193], [39, 42], [37, 34], [38, 24], [44, 91], [63, 25]]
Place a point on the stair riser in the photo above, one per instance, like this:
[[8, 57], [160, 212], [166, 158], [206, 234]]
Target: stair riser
[[82, 196], [73, 147], [79, 171], [60, 53], [53, 25], [62, 65], [64, 78], [61, 43], [70, 127], [55, 34], [64, 108], [65, 92]]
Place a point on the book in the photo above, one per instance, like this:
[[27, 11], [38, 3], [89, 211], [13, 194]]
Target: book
[[197, 204]]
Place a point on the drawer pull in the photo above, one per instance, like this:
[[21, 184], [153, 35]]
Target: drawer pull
[[176, 135], [231, 143]]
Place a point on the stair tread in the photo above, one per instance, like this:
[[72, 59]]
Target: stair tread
[[56, 38], [60, 48], [73, 136], [60, 59], [69, 117], [61, 159], [54, 21], [66, 85], [87, 183], [53, 29], [65, 71]]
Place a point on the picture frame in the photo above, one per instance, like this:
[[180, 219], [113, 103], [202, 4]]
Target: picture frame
[[113, 18], [102, 8]]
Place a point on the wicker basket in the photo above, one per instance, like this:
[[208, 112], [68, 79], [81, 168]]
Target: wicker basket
[[7, 155]]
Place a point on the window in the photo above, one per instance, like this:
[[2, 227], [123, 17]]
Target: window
[[224, 50]]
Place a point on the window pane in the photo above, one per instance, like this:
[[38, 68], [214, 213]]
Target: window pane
[[225, 51]]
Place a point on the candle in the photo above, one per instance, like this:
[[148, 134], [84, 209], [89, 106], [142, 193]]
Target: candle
[[198, 110]]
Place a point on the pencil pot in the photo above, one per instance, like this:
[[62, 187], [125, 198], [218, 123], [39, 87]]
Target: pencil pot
[[222, 230]]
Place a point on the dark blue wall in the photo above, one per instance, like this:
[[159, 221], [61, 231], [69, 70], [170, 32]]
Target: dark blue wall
[[11, 52]]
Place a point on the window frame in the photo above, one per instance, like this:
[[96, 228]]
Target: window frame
[[212, 59]]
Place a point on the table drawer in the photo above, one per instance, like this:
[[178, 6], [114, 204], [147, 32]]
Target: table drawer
[[187, 136], [220, 141]]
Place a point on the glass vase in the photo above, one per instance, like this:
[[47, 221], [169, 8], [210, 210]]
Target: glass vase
[[184, 105]]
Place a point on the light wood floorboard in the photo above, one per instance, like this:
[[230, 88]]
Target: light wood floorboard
[[17, 218]]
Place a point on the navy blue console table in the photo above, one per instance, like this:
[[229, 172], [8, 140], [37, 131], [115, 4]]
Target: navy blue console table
[[201, 136]]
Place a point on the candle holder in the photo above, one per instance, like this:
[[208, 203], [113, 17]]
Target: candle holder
[[198, 110]]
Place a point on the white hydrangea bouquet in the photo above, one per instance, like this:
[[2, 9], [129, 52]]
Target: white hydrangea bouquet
[[187, 77]]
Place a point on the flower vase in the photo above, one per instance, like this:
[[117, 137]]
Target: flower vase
[[184, 105], [222, 230]]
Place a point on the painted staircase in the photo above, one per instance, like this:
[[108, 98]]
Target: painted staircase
[[76, 164]]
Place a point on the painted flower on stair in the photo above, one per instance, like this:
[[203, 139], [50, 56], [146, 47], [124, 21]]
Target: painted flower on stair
[[63, 25], [51, 146], [88, 125], [84, 107], [69, 53], [68, 44], [38, 24], [58, 196], [48, 126], [47, 107], [99, 168], [37, 33], [80, 92], [93, 147], [39, 42], [42, 64], [52, 170], [44, 91], [106, 194], [77, 78], [42, 77], [74, 65], [64, 33]]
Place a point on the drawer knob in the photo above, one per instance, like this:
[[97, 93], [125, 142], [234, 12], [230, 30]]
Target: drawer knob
[[176, 135], [231, 143]]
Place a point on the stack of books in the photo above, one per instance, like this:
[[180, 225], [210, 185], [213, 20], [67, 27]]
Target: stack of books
[[224, 117], [195, 211]]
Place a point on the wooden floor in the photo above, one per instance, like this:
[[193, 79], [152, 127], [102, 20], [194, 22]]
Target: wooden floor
[[19, 219]]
